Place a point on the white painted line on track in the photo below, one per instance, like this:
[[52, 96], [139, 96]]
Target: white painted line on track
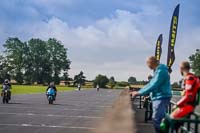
[[51, 115], [17, 107], [47, 126], [48, 108]]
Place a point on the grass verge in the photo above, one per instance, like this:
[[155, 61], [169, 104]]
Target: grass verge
[[34, 89]]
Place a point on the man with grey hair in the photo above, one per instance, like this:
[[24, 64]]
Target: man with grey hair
[[160, 90]]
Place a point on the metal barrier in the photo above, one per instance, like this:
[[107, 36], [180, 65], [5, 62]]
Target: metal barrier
[[140, 102], [186, 122], [147, 105], [148, 109], [193, 118]]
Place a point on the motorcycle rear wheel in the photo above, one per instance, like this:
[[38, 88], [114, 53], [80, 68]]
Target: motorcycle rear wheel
[[50, 101], [4, 100], [7, 100]]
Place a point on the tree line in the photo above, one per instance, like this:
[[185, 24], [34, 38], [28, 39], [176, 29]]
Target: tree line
[[104, 82], [34, 61]]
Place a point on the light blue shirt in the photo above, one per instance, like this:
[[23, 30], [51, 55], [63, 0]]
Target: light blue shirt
[[159, 86]]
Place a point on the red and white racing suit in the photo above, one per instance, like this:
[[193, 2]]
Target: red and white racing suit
[[186, 104]]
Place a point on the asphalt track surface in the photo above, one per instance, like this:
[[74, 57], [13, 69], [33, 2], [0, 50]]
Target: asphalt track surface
[[73, 112]]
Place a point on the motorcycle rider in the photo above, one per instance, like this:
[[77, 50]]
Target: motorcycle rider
[[97, 87], [79, 87], [52, 85], [7, 86], [186, 104]]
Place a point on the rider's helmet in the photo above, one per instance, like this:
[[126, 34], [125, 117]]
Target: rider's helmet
[[52, 84], [6, 81]]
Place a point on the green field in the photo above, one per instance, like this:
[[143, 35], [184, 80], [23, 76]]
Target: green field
[[33, 89]]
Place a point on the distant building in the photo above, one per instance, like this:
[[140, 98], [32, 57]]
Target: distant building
[[13, 81], [69, 83]]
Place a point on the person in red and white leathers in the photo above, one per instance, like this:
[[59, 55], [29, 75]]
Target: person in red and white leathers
[[186, 104]]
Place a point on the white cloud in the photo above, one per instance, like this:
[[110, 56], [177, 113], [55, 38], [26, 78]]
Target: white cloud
[[115, 46], [111, 45], [117, 31]]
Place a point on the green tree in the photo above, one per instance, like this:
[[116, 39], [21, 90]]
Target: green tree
[[28, 65], [58, 59], [176, 85], [79, 79], [101, 80], [132, 80], [122, 84], [40, 60], [15, 52], [112, 82], [195, 62], [4, 69], [35, 61]]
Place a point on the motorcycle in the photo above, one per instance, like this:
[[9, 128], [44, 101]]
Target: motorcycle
[[97, 88], [51, 99], [6, 96], [51, 95], [79, 87]]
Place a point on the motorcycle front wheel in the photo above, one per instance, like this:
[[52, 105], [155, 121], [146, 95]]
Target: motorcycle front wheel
[[7, 100], [4, 100]]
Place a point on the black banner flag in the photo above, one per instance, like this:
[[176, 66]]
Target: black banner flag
[[172, 38], [158, 50]]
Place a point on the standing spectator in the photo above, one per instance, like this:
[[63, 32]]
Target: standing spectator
[[160, 88], [186, 104]]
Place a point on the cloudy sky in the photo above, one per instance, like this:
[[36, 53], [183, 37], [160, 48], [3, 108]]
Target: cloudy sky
[[111, 37]]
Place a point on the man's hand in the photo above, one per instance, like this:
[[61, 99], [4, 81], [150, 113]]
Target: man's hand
[[174, 107], [134, 94]]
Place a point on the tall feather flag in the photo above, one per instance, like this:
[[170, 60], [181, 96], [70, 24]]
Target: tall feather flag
[[158, 50], [172, 38]]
